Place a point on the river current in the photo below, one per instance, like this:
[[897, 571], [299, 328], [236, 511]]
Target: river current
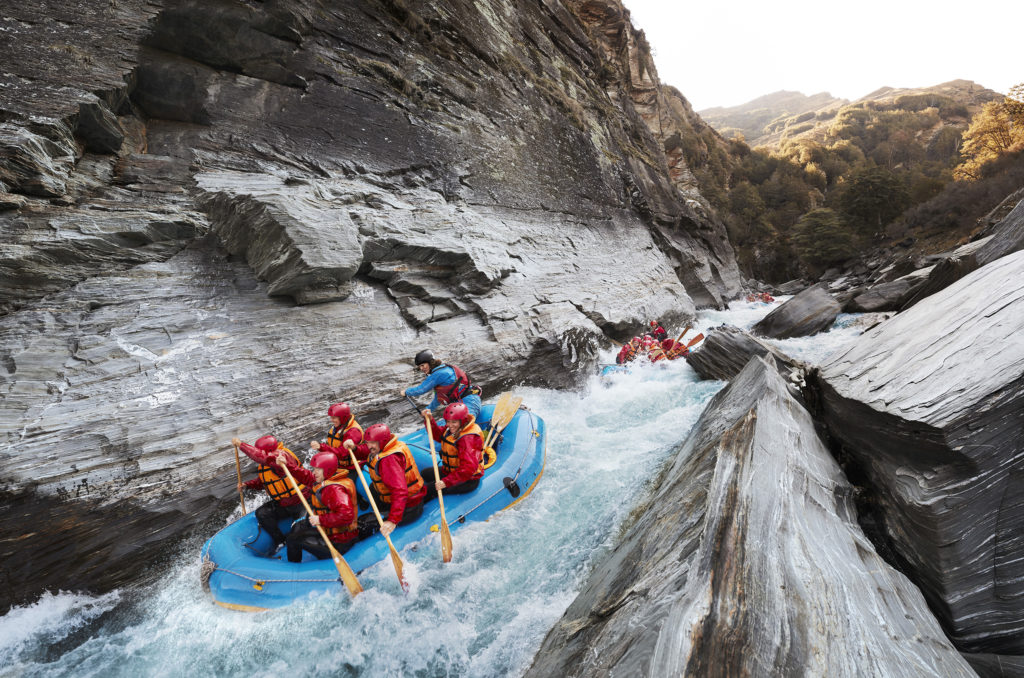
[[484, 614]]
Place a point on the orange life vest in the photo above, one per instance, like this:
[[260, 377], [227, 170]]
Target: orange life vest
[[335, 437], [450, 448], [413, 479], [277, 486], [339, 478]]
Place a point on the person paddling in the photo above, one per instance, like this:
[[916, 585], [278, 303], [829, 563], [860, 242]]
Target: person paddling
[[449, 382], [345, 434], [397, 486], [284, 504], [462, 446], [657, 331], [333, 498]]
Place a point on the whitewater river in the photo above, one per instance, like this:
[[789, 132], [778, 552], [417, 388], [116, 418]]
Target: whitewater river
[[484, 614]]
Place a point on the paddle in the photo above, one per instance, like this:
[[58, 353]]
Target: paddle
[[238, 469], [396, 560], [683, 333], [504, 410], [446, 535], [348, 577], [695, 340]]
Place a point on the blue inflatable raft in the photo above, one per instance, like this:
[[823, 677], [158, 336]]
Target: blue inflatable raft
[[241, 574]]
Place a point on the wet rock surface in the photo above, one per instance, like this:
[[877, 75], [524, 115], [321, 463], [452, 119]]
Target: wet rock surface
[[217, 218], [809, 312], [727, 349], [747, 559], [930, 406]]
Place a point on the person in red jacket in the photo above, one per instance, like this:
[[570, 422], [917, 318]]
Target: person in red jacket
[[345, 434], [657, 331], [397, 485], [333, 499], [461, 453], [284, 503]]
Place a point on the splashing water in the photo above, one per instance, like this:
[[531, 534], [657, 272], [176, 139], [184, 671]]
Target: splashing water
[[484, 614]]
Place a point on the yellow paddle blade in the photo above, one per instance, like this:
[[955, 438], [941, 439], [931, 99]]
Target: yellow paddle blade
[[504, 410], [446, 545]]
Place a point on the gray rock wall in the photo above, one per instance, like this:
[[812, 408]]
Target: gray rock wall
[[931, 406], [216, 218], [748, 560]]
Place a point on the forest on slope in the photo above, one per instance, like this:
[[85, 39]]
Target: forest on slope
[[828, 182]]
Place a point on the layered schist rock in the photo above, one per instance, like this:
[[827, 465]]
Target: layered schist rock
[[1007, 237], [727, 349], [747, 559], [930, 406], [219, 217], [809, 312]]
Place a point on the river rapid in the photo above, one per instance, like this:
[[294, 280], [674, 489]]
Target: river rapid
[[483, 614]]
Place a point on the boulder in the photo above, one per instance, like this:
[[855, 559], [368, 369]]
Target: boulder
[[809, 312], [1007, 237], [747, 559], [930, 407], [887, 296], [726, 349]]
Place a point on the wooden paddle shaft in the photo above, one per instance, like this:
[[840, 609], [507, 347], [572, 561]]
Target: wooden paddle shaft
[[238, 469], [395, 558], [344, 571]]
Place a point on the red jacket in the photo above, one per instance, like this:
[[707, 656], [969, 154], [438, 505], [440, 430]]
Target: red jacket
[[264, 458], [392, 471], [337, 500], [470, 452]]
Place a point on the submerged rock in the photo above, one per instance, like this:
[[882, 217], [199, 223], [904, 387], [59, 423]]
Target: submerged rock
[[930, 406], [809, 312], [748, 560]]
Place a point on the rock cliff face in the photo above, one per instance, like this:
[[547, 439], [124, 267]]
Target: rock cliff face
[[218, 217], [748, 560], [930, 407]]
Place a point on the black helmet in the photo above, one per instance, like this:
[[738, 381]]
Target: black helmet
[[424, 356]]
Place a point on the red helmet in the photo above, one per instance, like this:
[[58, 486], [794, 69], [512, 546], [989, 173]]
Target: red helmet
[[326, 461], [654, 323], [266, 443], [341, 411], [378, 433], [456, 412]]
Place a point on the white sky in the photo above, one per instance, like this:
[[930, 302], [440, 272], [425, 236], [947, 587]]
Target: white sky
[[727, 52]]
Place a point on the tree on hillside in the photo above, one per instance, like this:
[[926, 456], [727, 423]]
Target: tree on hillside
[[997, 130], [821, 239], [872, 197]]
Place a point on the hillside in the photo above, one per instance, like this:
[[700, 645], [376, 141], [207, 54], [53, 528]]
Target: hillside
[[752, 118], [783, 116]]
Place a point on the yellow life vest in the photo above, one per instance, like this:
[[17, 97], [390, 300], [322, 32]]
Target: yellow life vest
[[450, 448], [277, 486], [413, 479], [339, 478]]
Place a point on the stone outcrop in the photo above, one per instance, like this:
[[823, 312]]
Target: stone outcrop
[[748, 560], [219, 217], [809, 312], [928, 406], [727, 349], [1007, 237]]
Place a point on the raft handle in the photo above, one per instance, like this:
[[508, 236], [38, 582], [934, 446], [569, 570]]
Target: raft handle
[[512, 486]]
